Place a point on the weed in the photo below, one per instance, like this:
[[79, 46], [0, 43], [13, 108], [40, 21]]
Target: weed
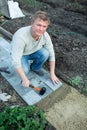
[[75, 81], [80, 84], [84, 91], [22, 118]]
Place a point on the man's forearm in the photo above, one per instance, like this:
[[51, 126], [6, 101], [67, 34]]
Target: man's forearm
[[52, 67], [21, 73], [52, 72], [25, 80]]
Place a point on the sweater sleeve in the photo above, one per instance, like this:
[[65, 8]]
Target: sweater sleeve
[[17, 45], [49, 46]]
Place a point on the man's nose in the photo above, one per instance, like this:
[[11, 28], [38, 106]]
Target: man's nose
[[41, 27]]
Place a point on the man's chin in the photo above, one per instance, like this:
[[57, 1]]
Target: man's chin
[[39, 34]]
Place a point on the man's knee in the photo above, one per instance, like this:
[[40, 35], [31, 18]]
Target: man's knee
[[26, 70], [45, 53]]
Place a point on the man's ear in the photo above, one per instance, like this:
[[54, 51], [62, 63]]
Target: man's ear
[[31, 22]]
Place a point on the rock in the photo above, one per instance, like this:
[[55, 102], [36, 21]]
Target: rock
[[4, 97]]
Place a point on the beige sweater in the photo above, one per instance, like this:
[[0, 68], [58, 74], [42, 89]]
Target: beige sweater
[[24, 44]]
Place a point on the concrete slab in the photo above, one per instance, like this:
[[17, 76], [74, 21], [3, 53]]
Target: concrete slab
[[29, 95]]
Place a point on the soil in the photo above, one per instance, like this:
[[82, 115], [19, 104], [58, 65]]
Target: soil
[[68, 31]]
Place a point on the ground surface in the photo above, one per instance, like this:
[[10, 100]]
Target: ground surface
[[66, 109]]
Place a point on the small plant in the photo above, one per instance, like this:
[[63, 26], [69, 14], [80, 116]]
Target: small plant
[[84, 91], [22, 118], [84, 88], [79, 84], [76, 81]]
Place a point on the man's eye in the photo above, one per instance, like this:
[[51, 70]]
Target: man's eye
[[41, 26], [38, 25]]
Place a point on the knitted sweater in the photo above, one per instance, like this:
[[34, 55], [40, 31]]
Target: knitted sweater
[[24, 44]]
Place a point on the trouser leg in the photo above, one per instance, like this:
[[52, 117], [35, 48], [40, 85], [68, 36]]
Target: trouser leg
[[25, 63], [39, 58]]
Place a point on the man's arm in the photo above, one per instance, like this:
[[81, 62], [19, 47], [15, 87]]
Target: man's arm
[[25, 81], [52, 72]]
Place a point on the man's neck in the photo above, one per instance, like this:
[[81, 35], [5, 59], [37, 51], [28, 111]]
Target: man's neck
[[35, 37]]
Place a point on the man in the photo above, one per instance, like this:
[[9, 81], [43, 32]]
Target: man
[[33, 43]]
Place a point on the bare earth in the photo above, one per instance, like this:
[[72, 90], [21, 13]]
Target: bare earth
[[69, 113]]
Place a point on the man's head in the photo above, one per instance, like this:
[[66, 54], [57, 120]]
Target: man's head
[[41, 15], [39, 23]]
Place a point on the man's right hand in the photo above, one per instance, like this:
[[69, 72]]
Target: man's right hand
[[25, 83], [25, 80]]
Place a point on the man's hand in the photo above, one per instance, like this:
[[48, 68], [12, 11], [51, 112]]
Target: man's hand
[[25, 83], [54, 78]]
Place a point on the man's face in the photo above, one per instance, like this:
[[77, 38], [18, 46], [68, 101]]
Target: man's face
[[39, 27]]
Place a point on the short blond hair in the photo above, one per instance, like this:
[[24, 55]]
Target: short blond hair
[[42, 15]]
